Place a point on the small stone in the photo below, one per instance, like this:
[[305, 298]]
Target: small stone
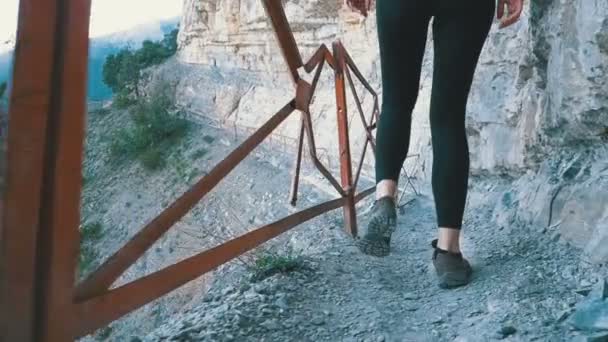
[[244, 287], [584, 291], [600, 290], [437, 320], [591, 316], [410, 296], [317, 321], [228, 290], [474, 313], [598, 337], [271, 324], [282, 303], [507, 330]]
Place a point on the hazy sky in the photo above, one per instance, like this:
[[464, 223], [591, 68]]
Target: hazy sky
[[107, 16]]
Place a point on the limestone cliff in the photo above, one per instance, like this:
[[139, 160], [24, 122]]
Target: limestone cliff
[[538, 110]]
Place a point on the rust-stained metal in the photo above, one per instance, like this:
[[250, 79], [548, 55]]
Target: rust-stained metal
[[360, 196], [40, 214], [29, 105], [350, 218], [59, 235], [321, 55], [360, 166], [105, 276], [368, 131], [96, 312], [41, 203], [293, 196], [282, 29]]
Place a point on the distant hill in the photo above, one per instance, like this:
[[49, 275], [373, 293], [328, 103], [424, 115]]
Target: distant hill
[[99, 49]]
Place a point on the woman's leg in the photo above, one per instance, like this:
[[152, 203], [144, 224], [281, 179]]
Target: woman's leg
[[402, 32], [460, 29]]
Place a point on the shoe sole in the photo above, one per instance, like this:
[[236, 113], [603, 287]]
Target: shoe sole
[[453, 280], [377, 241], [374, 247]]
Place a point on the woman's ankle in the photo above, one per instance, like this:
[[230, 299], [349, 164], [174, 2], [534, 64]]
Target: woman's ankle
[[386, 188], [449, 239]]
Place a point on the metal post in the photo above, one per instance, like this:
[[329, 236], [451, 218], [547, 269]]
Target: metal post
[[346, 175], [40, 219]]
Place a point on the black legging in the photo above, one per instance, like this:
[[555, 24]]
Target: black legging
[[460, 29]]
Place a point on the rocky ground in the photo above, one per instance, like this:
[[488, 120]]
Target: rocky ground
[[120, 198], [528, 286]]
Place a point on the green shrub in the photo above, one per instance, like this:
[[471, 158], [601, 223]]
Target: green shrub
[[152, 159], [123, 100], [153, 132], [90, 235], [199, 153], [122, 71], [105, 333], [269, 264], [91, 232]]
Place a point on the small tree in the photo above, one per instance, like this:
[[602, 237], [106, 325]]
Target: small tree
[[170, 42], [122, 71]]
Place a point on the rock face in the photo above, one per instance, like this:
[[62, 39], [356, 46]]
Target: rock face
[[540, 96]]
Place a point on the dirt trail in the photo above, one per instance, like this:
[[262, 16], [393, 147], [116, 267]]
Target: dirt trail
[[524, 288]]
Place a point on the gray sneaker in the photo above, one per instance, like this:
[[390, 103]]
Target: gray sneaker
[[383, 221], [452, 269]]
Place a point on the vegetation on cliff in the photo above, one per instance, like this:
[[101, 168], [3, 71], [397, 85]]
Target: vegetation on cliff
[[122, 71]]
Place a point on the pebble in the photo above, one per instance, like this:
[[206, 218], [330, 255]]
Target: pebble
[[317, 321], [409, 296], [271, 324], [282, 303], [507, 330]]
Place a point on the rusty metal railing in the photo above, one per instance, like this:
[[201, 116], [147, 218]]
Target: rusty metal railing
[[39, 297]]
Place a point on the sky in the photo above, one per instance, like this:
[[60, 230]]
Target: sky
[[107, 16]]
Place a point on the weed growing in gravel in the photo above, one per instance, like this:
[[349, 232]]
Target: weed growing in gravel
[[90, 234], [199, 153], [153, 133], [269, 264], [104, 334], [208, 139]]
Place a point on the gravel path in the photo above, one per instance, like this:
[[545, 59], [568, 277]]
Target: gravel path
[[524, 289]]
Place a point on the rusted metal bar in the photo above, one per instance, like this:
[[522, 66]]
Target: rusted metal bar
[[360, 166], [105, 276], [349, 61], [350, 216], [368, 131], [286, 40], [364, 194], [29, 106], [312, 148], [322, 54], [58, 248], [293, 196], [97, 312]]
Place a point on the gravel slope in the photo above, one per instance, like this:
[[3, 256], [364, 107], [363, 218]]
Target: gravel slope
[[525, 287]]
